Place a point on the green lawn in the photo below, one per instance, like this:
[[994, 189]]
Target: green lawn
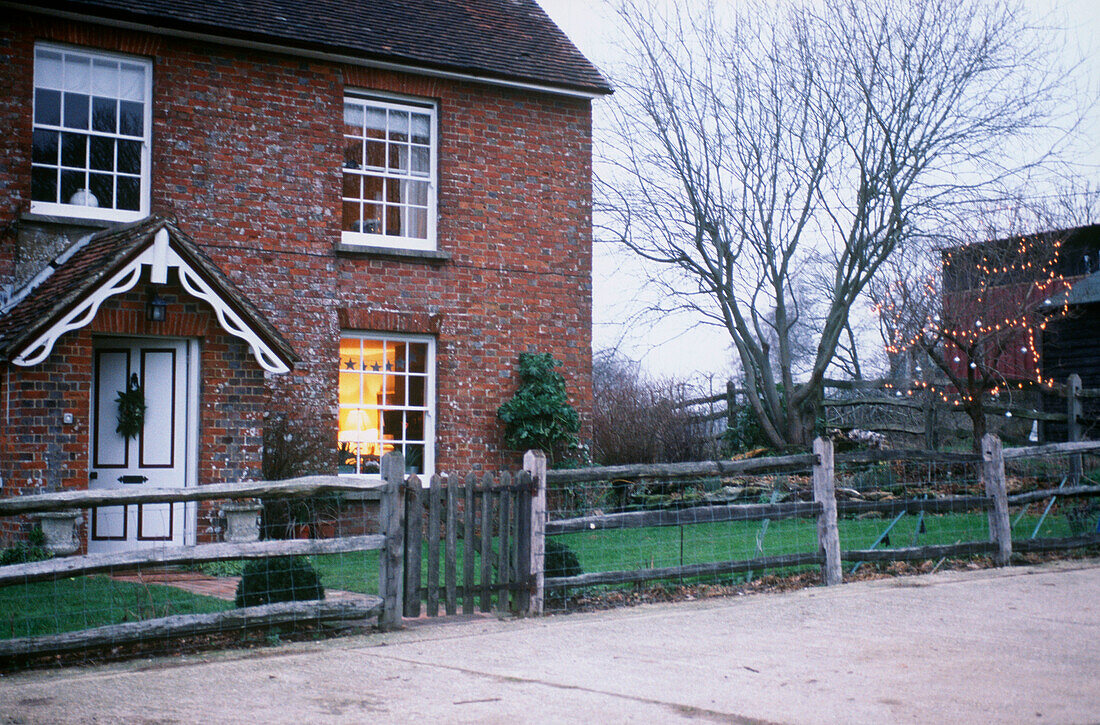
[[83, 602]]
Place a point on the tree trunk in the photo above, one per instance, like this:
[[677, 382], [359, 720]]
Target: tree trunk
[[977, 419]]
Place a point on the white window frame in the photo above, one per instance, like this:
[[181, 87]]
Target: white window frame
[[412, 105], [100, 213], [429, 393]]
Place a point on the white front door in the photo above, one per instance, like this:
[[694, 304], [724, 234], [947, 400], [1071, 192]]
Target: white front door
[[156, 457]]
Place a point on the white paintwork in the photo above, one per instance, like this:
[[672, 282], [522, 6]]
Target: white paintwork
[[124, 280], [159, 273], [160, 453]]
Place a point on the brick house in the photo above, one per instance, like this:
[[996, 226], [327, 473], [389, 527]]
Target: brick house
[[351, 216]]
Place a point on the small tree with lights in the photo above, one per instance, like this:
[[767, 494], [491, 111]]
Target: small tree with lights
[[976, 317]]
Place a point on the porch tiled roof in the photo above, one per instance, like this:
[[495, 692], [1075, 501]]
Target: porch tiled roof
[[89, 263], [503, 39]]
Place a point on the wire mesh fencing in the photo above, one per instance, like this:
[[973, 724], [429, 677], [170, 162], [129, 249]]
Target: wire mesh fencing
[[260, 563], [627, 533], [1054, 500], [611, 538]]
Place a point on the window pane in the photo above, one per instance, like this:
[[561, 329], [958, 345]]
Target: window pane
[[76, 110], [104, 111], [395, 390], [47, 69], [103, 153], [102, 186], [71, 183], [417, 223], [78, 73], [44, 185], [417, 386], [353, 153], [129, 157], [131, 118], [418, 357], [375, 123], [393, 221], [105, 78], [44, 149], [353, 119], [132, 85], [416, 192], [372, 355], [129, 193], [376, 154], [372, 188], [394, 193], [421, 129], [414, 458], [349, 387], [399, 158], [421, 162], [392, 428], [398, 356], [74, 150], [414, 425], [353, 186], [47, 107], [350, 358], [372, 218], [351, 216], [399, 126]]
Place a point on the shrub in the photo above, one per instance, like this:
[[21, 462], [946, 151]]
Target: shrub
[[33, 549], [637, 419], [561, 560], [539, 415], [279, 579]]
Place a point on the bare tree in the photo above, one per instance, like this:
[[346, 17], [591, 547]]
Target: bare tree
[[753, 149]]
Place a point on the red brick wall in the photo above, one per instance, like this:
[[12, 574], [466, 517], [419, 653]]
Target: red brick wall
[[247, 158]]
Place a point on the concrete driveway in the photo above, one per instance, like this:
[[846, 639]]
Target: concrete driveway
[[1012, 645]]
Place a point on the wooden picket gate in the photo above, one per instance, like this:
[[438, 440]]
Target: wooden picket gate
[[481, 526]]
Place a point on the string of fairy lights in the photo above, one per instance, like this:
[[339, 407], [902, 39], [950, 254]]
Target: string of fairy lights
[[1005, 299]]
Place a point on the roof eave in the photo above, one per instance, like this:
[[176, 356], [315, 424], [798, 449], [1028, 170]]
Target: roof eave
[[333, 54]]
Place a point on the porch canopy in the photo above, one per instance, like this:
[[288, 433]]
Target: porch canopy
[[66, 295]]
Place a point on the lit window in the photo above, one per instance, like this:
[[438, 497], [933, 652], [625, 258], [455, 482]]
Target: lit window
[[90, 150], [389, 174], [387, 389]]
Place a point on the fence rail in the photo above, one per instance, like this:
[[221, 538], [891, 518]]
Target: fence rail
[[827, 508], [386, 606]]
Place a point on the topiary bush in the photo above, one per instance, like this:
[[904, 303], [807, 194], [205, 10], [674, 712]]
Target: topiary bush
[[539, 415], [561, 560], [278, 579]]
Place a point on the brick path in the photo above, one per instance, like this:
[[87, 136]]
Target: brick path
[[221, 587]]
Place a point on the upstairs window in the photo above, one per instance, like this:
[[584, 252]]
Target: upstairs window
[[389, 177], [92, 119]]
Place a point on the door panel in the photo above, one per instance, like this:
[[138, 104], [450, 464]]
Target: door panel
[[112, 370], [155, 458]]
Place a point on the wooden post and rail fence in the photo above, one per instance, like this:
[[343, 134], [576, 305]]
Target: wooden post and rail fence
[[724, 406], [479, 542]]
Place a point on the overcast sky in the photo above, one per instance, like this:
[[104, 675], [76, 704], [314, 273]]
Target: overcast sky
[[669, 347]]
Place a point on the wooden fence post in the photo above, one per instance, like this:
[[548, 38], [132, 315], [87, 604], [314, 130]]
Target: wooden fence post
[[828, 533], [731, 404], [993, 475], [390, 569], [1073, 426], [534, 462], [413, 541]]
